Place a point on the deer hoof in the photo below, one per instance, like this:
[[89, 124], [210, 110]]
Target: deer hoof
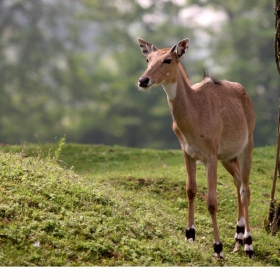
[[249, 253], [248, 247], [218, 248], [219, 256], [190, 234]]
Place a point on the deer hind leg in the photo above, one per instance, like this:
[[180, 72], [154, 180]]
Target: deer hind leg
[[232, 166], [191, 190], [212, 203], [241, 181], [245, 160]]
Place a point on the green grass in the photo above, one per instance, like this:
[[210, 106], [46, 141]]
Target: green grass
[[95, 205]]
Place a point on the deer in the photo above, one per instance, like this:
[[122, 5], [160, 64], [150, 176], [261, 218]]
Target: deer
[[214, 120]]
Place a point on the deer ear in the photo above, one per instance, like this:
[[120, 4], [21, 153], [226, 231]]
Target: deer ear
[[146, 47], [181, 48]]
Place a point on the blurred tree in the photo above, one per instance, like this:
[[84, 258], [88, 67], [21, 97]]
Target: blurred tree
[[71, 67], [36, 37]]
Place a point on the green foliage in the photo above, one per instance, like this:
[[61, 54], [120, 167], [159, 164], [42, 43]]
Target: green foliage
[[123, 207]]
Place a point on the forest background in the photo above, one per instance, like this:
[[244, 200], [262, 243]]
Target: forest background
[[71, 67]]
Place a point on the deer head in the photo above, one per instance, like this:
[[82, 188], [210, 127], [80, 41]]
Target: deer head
[[162, 64]]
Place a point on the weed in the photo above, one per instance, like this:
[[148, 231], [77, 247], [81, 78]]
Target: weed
[[58, 149]]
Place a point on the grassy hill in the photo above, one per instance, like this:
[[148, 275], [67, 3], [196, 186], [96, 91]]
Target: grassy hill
[[89, 205]]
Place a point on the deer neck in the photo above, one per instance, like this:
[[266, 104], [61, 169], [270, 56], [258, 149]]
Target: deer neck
[[182, 84], [180, 96]]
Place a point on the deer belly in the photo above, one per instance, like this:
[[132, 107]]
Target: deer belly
[[230, 150]]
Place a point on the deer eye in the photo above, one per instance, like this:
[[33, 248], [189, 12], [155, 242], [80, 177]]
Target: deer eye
[[167, 61]]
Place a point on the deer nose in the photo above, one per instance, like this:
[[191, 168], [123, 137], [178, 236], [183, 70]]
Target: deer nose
[[143, 82]]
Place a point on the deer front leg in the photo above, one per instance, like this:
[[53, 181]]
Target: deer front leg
[[212, 203], [191, 190]]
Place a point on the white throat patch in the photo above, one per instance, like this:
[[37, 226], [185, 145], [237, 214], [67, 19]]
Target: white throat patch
[[170, 90]]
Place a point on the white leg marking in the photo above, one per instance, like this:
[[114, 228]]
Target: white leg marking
[[241, 222], [240, 236], [248, 247], [246, 234], [242, 192], [221, 255]]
